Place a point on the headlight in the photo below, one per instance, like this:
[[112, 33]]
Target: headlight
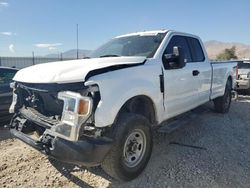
[[76, 110]]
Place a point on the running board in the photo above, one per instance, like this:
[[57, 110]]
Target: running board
[[181, 120]]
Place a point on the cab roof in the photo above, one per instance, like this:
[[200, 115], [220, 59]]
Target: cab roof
[[144, 33]]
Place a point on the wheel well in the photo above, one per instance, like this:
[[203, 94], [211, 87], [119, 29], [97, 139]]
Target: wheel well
[[141, 105]]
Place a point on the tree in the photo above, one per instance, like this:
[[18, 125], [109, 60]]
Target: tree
[[227, 54]]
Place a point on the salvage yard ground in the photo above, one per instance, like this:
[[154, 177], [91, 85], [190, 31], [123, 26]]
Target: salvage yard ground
[[211, 151]]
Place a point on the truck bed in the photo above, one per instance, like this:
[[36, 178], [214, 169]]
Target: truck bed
[[220, 73]]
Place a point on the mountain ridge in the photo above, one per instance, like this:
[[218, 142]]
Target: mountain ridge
[[71, 54], [215, 47]]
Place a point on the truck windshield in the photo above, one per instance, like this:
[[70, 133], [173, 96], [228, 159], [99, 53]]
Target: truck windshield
[[137, 45], [244, 65]]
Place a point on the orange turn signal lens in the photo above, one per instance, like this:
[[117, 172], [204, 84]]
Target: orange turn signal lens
[[83, 107]]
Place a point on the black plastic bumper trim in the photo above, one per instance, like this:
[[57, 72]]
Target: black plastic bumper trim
[[88, 152], [23, 137]]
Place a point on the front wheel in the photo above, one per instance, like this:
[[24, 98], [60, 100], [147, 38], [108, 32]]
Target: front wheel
[[132, 148], [222, 104]]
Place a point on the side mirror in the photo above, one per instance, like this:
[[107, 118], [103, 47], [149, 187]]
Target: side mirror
[[175, 60]]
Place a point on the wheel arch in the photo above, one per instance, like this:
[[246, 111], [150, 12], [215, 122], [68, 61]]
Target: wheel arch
[[230, 78], [141, 105]]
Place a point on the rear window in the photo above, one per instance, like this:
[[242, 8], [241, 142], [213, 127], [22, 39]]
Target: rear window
[[244, 65]]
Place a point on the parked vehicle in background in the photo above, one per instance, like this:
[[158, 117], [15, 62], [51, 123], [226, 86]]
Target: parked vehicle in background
[[243, 76], [6, 75], [101, 110]]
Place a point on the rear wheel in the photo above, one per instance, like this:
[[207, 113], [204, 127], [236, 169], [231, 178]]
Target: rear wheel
[[132, 148], [222, 104]]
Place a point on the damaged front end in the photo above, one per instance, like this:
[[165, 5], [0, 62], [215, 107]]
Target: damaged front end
[[58, 119]]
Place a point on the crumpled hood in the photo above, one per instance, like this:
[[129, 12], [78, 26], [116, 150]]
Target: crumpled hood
[[70, 71]]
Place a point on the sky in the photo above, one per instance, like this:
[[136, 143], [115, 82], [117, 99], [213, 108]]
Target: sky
[[49, 26]]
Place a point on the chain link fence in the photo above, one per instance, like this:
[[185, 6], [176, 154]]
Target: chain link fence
[[22, 62]]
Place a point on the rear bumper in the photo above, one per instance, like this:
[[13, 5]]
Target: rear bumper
[[88, 152], [243, 84]]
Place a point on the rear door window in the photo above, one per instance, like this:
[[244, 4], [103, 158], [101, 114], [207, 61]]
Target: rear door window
[[196, 50]]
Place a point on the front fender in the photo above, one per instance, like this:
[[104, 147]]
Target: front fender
[[119, 86]]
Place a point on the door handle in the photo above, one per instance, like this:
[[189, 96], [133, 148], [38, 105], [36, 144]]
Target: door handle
[[196, 72]]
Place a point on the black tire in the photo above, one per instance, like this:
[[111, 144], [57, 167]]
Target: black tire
[[116, 164], [222, 104]]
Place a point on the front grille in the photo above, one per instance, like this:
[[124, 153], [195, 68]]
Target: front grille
[[39, 102], [43, 97]]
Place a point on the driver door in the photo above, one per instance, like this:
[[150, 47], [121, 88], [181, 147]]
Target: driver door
[[181, 86]]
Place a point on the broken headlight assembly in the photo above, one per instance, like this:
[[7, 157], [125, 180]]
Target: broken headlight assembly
[[76, 111]]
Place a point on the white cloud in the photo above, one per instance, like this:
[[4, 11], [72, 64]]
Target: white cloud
[[7, 33], [48, 45], [4, 4], [11, 48], [52, 48]]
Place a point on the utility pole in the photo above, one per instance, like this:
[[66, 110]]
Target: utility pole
[[33, 58], [77, 50]]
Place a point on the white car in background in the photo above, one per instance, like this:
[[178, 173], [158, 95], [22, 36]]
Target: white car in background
[[243, 76]]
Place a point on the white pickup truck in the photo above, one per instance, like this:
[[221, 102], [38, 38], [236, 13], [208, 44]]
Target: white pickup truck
[[101, 110]]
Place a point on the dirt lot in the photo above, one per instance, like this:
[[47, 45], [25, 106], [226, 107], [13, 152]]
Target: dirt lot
[[211, 151]]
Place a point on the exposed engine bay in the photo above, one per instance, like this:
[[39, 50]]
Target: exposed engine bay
[[56, 109]]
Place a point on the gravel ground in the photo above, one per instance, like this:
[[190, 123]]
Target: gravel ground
[[212, 150]]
